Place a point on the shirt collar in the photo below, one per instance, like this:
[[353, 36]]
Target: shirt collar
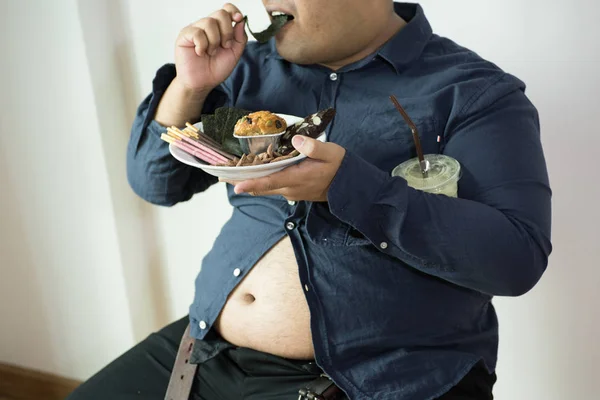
[[408, 44], [405, 46]]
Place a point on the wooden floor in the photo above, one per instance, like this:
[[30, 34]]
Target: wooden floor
[[23, 384]]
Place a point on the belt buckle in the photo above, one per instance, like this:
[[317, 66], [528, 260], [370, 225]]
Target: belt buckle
[[308, 395], [319, 389]]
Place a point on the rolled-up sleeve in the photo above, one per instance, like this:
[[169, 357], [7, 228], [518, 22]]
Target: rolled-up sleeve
[[153, 173], [494, 238]]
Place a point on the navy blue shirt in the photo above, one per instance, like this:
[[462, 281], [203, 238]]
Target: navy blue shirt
[[399, 282]]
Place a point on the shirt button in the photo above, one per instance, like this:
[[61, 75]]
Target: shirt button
[[306, 287], [237, 272], [290, 226], [291, 202], [333, 76], [202, 325], [383, 245]]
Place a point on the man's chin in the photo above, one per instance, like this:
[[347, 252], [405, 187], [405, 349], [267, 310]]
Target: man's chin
[[294, 52]]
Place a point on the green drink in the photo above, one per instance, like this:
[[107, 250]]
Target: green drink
[[442, 174]]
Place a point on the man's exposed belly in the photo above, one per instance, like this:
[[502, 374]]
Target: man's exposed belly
[[267, 311]]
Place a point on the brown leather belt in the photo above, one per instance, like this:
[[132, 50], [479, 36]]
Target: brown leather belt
[[182, 377]]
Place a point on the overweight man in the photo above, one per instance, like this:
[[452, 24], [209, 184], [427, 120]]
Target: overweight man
[[333, 269]]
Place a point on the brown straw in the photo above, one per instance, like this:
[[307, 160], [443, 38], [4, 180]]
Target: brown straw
[[415, 132]]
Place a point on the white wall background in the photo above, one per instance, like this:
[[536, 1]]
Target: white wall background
[[87, 269]]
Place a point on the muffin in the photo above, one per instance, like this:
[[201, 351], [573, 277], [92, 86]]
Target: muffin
[[259, 123]]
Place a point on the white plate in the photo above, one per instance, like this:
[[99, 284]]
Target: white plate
[[241, 173]]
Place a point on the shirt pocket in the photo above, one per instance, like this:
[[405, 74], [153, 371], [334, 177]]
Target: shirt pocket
[[385, 140], [324, 229]]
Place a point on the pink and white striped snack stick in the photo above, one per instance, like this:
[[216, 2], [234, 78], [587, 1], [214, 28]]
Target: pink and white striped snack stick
[[202, 147], [196, 152]]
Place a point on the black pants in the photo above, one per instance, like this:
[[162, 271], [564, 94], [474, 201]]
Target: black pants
[[235, 373]]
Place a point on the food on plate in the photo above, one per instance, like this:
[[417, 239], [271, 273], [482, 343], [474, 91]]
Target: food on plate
[[216, 144], [219, 126], [312, 126], [259, 123], [269, 156]]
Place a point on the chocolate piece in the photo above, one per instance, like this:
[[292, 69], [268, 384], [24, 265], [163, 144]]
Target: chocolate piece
[[312, 126]]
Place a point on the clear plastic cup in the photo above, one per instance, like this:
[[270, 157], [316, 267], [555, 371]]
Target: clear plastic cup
[[442, 177]]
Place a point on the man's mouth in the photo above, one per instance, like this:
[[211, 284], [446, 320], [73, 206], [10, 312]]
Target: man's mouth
[[279, 19], [280, 14]]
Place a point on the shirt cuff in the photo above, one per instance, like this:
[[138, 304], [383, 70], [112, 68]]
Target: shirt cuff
[[163, 78], [155, 129]]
